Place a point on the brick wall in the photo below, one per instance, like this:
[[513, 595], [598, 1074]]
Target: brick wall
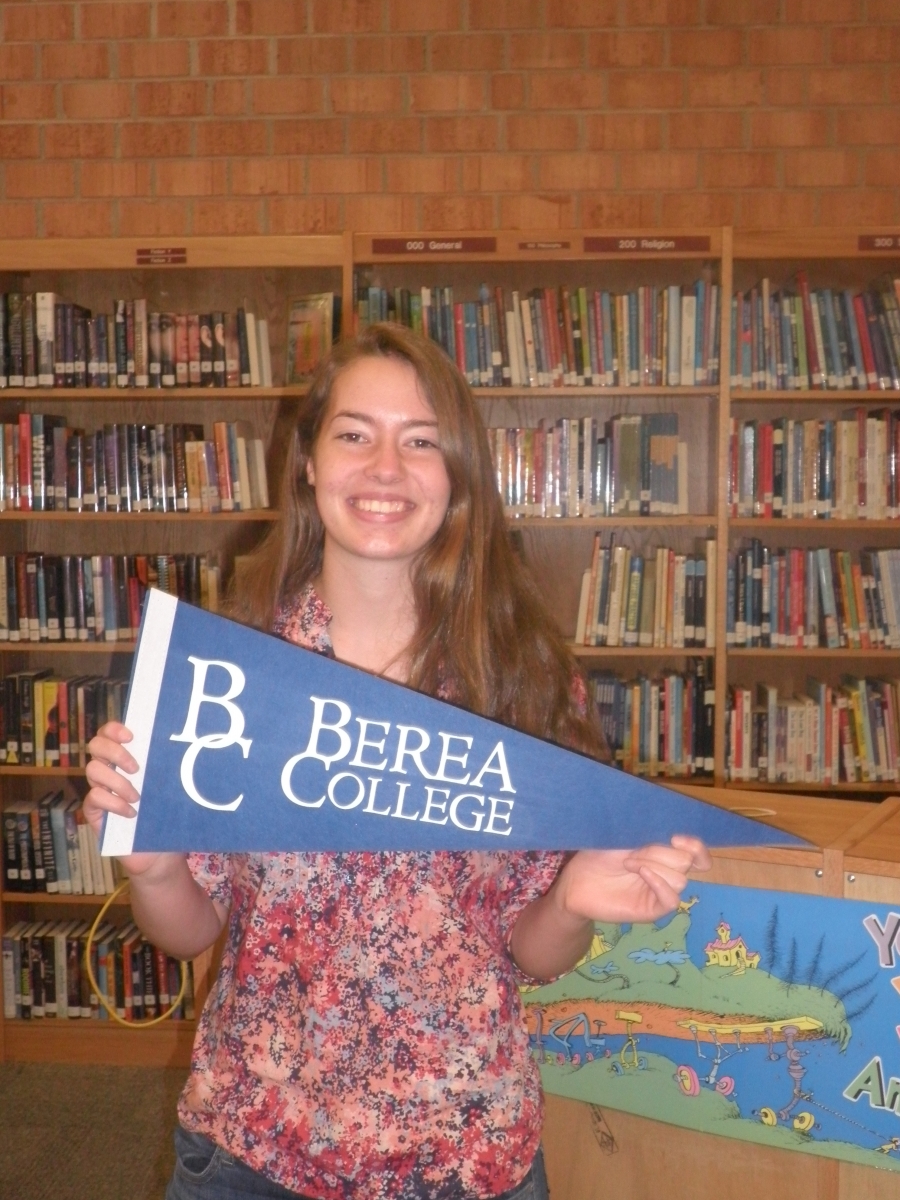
[[270, 116]]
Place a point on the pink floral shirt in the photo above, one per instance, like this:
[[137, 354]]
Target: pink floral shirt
[[365, 1036]]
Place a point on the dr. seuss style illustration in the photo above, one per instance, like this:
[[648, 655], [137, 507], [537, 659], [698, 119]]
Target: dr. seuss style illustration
[[766, 1016]]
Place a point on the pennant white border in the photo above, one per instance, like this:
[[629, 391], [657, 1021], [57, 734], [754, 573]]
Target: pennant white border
[[143, 698]]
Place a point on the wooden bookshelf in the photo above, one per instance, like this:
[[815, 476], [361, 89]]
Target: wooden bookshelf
[[682, 521], [837, 259], [821, 397], [559, 548], [135, 518], [824, 526], [884, 788], [116, 395], [842, 652], [98, 1042], [55, 899], [192, 272], [638, 652], [598, 393], [64, 647], [26, 772], [174, 275], [617, 260]]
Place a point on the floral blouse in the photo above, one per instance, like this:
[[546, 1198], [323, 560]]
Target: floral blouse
[[365, 1036]]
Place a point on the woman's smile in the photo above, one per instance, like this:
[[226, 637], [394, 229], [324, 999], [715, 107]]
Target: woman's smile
[[381, 507]]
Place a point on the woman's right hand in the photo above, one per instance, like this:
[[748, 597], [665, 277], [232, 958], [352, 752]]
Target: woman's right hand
[[111, 790], [171, 910]]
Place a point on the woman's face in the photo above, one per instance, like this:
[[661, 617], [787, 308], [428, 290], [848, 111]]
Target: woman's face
[[381, 484]]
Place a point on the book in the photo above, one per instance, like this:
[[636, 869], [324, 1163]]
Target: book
[[232, 351], [219, 349], [180, 349], [167, 349], [265, 353], [207, 351], [309, 335]]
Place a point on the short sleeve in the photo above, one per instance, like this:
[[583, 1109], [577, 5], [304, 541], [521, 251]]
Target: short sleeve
[[527, 877], [214, 874]]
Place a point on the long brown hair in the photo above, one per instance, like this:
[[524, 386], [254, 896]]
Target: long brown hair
[[484, 634]]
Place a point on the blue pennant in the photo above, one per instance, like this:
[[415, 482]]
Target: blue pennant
[[248, 743]]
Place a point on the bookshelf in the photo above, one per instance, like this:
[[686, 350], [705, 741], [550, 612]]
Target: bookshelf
[[833, 269], [270, 271], [196, 275], [559, 548]]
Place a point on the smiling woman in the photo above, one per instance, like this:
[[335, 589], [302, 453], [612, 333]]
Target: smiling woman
[[472, 624], [364, 1039], [382, 493]]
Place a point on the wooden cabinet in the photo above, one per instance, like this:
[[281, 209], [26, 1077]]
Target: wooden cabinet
[[593, 1152]]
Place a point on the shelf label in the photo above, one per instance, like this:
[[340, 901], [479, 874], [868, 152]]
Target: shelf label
[[465, 245], [878, 241], [161, 256], [545, 245], [655, 244]]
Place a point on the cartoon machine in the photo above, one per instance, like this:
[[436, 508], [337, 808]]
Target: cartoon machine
[[567, 1040], [629, 1058], [804, 1121], [690, 1080]]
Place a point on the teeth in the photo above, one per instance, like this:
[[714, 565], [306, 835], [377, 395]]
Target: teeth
[[381, 506]]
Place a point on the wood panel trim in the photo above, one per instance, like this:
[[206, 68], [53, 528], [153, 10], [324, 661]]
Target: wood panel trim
[[867, 825]]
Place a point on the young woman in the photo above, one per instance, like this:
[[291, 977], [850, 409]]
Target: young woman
[[364, 1039]]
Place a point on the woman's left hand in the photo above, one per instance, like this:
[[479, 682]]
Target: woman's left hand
[[629, 885]]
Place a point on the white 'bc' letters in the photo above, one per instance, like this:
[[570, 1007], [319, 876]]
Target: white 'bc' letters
[[211, 741]]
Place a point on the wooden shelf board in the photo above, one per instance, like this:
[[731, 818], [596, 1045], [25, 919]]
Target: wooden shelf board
[[682, 393], [755, 785], [56, 772], [250, 514], [58, 898], [295, 251], [802, 652], [687, 520], [640, 651], [94, 1041], [29, 647], [702, 781], [748, 523], [675, 780], [115, 395], [815, 396]]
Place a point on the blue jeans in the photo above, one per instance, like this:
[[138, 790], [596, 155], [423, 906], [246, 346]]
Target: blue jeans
[[204, 1171]]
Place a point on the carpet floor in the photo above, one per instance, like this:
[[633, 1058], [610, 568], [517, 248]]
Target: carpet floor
[[86, 1133]]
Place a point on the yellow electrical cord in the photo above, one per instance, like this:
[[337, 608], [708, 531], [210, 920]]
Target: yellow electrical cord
[[136, 1025]]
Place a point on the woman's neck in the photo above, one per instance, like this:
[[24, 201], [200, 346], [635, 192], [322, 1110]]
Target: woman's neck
[[373, 618]]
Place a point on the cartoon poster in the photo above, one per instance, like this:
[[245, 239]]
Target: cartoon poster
[[766, 1016]]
